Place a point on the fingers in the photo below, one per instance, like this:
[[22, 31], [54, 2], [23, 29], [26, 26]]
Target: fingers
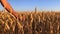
[[15, 14]]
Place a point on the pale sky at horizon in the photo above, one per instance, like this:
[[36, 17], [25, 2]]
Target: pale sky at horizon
[[31, 4]]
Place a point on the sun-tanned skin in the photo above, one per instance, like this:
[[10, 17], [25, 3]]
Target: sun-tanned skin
[[8, 7]]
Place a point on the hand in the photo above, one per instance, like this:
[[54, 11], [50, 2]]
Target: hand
[[8, 7]]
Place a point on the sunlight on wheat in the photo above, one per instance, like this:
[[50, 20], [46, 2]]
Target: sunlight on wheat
[[30, 23]]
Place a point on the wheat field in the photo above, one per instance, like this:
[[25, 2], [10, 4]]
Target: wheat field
[[30, 23]]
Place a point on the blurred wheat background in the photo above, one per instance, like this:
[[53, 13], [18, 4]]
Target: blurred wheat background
[[30, 23]]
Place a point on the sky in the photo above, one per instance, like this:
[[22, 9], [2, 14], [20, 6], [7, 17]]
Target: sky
[[31, 4]]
